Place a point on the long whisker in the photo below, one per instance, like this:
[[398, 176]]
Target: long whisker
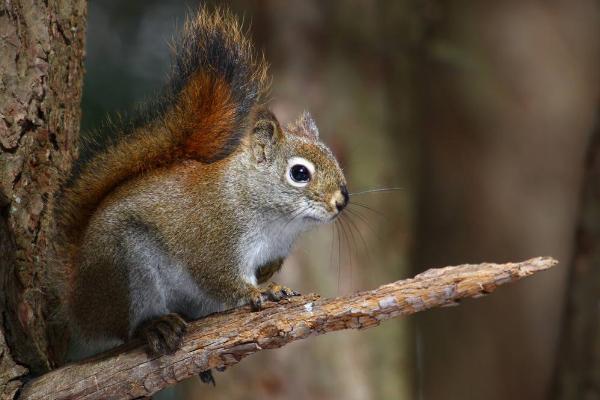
[[365, 221], [354, 226], [349, 223], [352, 251], [347, 241], [342, 233], [290, 218], [358, 214], [332, 243], [287, 218], [281, 217], [295, 215], [339, 273], [379, 213], [379, 190]]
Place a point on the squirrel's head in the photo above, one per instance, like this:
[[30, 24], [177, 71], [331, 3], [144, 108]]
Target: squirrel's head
[[298, 174]]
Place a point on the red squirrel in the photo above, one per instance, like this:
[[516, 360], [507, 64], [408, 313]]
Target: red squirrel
[[187, 213]]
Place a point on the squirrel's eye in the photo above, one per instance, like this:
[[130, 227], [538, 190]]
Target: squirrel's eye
[[300, 173]]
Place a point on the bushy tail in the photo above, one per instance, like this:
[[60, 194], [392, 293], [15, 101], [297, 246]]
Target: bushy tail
[[216, 81]]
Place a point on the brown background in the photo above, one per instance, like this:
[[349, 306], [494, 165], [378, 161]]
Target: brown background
[[480, 110]]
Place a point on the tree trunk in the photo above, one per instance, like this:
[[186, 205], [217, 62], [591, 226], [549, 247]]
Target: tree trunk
[[41, 69], [578, 372]]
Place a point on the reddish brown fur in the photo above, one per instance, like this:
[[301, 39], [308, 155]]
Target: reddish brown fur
[[199, 125], [205, 126]]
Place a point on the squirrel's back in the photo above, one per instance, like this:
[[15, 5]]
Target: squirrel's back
[[216, 84]]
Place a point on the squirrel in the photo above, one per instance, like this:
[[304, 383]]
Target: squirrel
[[187, 213]]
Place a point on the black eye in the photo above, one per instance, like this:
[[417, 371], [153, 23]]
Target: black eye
[[300, 173]]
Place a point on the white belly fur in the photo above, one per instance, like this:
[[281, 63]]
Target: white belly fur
[[267, 244]]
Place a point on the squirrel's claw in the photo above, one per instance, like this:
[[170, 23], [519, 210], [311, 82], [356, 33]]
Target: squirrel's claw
[[207, 377], [164, 335], [275, 292], [255, 300]]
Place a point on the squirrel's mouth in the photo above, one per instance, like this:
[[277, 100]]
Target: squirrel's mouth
[[311, 218], [317, 215], [334, 216], [326, 218]]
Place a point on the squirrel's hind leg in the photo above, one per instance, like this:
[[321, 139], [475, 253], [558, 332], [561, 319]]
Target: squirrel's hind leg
[[207, 377], [163, 335], [151, 274]]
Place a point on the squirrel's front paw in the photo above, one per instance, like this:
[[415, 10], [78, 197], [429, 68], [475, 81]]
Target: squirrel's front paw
[[275, 292], [164, 335], [255, 299]]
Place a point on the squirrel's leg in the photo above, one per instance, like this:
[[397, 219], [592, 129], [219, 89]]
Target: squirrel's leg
[[163, 335], [275, 292], [207, 377], [256, 296], [151, 273], [241, 292], [265, 272], [250, 294]]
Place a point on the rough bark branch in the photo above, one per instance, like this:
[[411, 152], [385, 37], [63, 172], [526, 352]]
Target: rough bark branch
[[222, 340]]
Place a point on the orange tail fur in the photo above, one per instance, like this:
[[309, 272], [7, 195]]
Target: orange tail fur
[[216, 82]]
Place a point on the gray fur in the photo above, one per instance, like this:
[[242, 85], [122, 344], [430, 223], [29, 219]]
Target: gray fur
[[159, 285]]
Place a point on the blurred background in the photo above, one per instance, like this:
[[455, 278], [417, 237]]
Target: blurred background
[[483, 113]]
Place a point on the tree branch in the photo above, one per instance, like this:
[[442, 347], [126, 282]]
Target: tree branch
[[222, 340]]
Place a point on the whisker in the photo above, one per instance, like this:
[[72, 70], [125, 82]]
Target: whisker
[[296, 215], [346, 244], [380, 190], [280, 217], [347, 241], [354, 226], [379, 213], [332, 246], [353, 250], [339, 274], [366, 222], [346, 218]]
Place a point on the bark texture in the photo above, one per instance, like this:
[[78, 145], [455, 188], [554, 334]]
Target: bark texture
[[224, 339], [41, 69], [578, 372], [10, 371]]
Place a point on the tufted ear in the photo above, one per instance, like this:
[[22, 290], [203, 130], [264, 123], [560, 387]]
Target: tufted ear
[[305, 126], [265, 134]]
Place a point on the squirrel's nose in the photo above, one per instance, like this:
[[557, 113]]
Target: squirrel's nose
[[340, 204]]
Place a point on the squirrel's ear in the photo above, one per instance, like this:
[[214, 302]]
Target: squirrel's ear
[[305, 125], [265, 133]]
